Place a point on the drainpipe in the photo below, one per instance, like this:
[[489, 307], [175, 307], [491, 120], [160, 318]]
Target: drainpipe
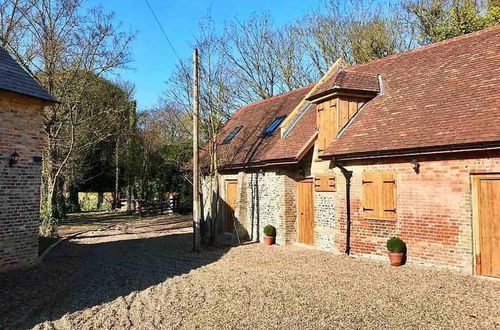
[[257, 197], [347, 175]]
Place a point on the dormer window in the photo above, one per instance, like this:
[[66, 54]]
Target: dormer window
[[272, 126], [231, 135], [338, 100]]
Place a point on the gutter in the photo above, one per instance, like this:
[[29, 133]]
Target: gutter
[[282, 161], [347, 175], [434, 150]]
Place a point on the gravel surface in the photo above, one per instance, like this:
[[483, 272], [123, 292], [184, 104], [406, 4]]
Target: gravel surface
[[143, 276]]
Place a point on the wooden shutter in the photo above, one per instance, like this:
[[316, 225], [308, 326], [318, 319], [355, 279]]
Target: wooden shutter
[[379, 195], [369, 195], [325, 183], [326, 122], [387, 196]]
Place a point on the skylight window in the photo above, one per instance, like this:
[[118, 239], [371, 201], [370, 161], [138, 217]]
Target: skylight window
[[272, 126], [231, 135]]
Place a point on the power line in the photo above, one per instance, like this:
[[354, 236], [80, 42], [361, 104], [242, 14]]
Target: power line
[[163, 31]]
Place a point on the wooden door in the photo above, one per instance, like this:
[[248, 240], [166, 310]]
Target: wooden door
[[487, 224], [231, 188], [305, 212]]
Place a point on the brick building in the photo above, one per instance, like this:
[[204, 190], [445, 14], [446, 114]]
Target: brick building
[[21, 103], [407, 145]]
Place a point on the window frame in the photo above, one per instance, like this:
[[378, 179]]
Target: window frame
[[276, 121], [232, 134]]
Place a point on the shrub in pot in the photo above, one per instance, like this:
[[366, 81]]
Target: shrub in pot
[[397, 250], [269, 235]]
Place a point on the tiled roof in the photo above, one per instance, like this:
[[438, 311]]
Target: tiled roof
[[347, 80], [248, 146], [14, 78], [439, 95]]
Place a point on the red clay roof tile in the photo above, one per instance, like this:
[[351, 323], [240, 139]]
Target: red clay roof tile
[[443, 94], [248, 146]]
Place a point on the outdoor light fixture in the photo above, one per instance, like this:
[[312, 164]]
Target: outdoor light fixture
[[13, 159], [415, 165]]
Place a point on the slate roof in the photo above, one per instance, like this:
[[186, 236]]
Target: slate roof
[[437, 96], [14, 78], [248, 146]]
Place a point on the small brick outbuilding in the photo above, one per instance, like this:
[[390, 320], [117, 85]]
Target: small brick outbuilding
[[22, 101]]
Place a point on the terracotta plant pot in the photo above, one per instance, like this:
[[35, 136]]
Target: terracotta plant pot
[[396, 259], [268, 240]]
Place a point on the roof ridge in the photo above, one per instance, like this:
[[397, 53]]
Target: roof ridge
[[429, 46], [275, 96]]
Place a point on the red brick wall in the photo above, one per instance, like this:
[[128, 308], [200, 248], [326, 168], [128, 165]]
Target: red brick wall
[[434, 210], [20, 131]]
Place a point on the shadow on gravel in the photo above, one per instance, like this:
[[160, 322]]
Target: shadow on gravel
[[79, 276]]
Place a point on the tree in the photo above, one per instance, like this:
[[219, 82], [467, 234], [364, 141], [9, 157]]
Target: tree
[[64, 46], [438, 20], [106, 104]]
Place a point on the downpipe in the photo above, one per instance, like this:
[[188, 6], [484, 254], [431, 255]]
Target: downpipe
[[347, 175]]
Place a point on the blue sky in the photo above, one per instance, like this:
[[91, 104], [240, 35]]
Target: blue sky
[[153, 60]]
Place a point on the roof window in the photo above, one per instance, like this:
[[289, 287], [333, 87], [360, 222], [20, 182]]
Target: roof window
[[231, 135], [272, 126]]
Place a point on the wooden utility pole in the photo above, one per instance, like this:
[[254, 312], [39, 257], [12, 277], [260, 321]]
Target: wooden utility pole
[[196, 168], [116, 199]]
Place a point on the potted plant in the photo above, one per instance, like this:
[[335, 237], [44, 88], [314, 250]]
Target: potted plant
[[397, 250], [269, 235]]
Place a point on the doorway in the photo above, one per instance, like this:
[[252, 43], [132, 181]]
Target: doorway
[[305, 212], [486, 211], [231, 189]]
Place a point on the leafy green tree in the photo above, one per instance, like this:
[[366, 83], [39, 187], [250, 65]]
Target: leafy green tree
[[372, 40], [439, 20]]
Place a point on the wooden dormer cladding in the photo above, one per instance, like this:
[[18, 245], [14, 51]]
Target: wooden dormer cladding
[[333, 114], [338, 98]]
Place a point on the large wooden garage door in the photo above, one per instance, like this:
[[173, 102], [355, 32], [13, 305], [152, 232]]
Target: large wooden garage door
[[487, 224], [305, 213], [231, 188]]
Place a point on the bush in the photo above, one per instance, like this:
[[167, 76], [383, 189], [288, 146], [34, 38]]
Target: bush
[[396, 245], [269, 231]]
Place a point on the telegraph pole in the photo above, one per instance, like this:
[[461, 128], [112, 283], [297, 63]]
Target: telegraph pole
[[196, 168]]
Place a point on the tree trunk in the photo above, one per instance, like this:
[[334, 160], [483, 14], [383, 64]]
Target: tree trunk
[[100, 200], [116, 197]]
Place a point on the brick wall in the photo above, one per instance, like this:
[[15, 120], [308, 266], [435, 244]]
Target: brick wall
[[433, 210], [20, 131]]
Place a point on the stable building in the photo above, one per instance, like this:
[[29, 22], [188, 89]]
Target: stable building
[[22, 100], [407, 145]]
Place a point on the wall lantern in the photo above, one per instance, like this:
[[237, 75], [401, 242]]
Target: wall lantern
[[415, 165], [13, 159]]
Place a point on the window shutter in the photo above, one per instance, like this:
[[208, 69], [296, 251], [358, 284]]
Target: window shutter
[[388, 196], [332, 183], [369, 195], [317, 183], [325, 183]]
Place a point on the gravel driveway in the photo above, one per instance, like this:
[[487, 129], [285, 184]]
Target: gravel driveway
[[141, 275]]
